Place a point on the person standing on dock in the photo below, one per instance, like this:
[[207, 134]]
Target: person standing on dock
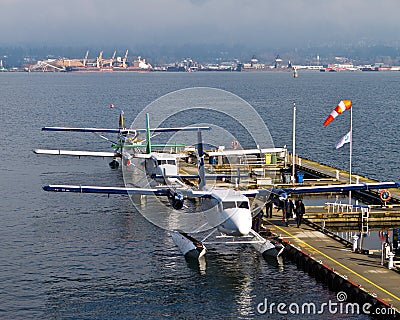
[[289, 210], [300, 211], [282, 205], [268, 209], [257, 219]]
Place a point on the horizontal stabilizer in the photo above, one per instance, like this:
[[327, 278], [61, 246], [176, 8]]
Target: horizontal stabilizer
[[176, 176], [158, 155], [256, 192], [242, 152], [106, 190], [342, 188], [189, 193], [142, 155], [175, 129], [76, 153]]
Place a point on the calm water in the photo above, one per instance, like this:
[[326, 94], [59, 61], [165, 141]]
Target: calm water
[[69, 256]]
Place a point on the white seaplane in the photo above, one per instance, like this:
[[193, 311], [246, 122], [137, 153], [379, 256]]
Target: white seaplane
[[226, 210]]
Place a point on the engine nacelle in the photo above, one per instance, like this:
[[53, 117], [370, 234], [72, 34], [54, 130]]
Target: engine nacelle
[[114, 164], [176, 200]]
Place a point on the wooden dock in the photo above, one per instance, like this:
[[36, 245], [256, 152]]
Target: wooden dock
[[333, 262], [335, 175]]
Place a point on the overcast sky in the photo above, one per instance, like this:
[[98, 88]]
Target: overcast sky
[[130, 23]]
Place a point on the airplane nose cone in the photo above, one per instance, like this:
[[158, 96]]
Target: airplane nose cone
[[244, 229], [244, 223], [238, 222]]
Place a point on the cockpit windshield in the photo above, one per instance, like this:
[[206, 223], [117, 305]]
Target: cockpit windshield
[[229, 204], [243, 204], [161, 162], [235, 204]]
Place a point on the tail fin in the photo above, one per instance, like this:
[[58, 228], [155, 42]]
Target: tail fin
[[200, 164], [121, 124], [148, 147]]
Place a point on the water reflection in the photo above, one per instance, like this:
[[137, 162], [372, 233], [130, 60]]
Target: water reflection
[[199, 265]]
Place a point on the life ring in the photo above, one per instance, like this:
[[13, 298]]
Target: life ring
[[234, 144], [385, 195]]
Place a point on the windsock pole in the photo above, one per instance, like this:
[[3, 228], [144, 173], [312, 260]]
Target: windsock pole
[[294, 145], [340, 108], [351, 148]]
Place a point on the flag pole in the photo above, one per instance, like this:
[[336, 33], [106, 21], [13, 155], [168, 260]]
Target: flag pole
[[294, 144], [351, 148]]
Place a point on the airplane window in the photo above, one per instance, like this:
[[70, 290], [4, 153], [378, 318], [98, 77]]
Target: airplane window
[[244, 205], [229, 204], [171, 162], [159, 162]]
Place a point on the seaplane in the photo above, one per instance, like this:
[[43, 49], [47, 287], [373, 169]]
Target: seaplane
[[228, 212]]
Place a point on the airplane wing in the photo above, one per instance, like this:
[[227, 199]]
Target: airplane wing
[[75, 153], [123, 131], [283, 192], [69, 129], [188, 193], [342, 188], [106, 190]]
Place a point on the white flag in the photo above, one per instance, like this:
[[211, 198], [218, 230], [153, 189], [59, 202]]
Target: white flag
[[345, 139]]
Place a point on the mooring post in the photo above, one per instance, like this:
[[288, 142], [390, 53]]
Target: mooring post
[[355, 238], [383, 253], [391, 256], [387, 250]]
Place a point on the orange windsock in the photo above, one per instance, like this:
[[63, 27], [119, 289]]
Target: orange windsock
[[343, 105]]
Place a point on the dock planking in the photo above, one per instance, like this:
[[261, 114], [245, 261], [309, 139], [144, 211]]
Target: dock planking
[[362, 269], [341, 176]]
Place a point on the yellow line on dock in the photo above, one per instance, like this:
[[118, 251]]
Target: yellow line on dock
[[340, 264]]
